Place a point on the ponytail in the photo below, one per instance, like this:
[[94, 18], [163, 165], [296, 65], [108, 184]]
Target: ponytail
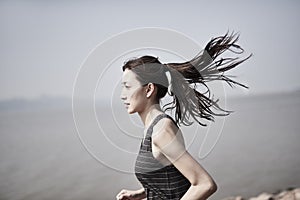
[[185, 77]]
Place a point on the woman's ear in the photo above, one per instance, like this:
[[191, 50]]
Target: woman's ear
[[150, 90]]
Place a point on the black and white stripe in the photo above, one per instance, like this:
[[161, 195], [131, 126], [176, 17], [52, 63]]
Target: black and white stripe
[[160, 182]]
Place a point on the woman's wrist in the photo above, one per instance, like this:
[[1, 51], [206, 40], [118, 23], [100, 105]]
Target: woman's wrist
[[140, 193]]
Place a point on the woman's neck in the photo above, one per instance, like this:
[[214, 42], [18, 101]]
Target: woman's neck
[[148, 115]]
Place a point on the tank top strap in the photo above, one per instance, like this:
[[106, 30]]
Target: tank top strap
[[155, 121]]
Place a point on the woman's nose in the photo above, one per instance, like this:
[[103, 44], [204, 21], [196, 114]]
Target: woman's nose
[[122, 96]]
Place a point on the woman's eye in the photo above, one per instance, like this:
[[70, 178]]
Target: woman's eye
[[126, 86]]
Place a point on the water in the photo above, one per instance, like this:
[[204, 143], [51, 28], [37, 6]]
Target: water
[[41, 156]]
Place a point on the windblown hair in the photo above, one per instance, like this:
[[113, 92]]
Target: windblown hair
[[185, 77]]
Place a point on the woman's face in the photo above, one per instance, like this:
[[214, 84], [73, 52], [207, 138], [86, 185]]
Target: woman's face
[[133, 93]]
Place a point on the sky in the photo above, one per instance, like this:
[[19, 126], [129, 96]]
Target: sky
[[44, 43]]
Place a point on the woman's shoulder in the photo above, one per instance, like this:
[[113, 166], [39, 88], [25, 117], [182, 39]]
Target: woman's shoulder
[[165, 122], [165, 129]]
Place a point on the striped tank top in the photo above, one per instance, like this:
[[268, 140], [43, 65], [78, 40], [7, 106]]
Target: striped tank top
[[159, 181]]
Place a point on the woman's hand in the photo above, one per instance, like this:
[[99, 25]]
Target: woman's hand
[[131, 194]]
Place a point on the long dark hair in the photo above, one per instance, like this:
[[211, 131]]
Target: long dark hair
[[185, 77]]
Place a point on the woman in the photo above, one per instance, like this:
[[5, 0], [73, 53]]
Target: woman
[[163, 166]]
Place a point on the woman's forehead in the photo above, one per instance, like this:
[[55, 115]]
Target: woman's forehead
[[129, 76]]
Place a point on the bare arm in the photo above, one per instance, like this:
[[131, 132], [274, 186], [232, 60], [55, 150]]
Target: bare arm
[[170, 144]]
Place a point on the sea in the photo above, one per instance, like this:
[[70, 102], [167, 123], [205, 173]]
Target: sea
[[62, 149]]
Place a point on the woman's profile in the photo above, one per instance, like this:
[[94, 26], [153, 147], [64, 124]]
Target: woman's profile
[[163, 166]]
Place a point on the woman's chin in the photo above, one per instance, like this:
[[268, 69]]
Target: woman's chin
[[130, 111]]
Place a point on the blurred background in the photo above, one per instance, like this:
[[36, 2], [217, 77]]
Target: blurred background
[[43, 46]]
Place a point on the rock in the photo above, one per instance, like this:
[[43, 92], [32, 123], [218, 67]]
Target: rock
[[234, 198], [285, 195], [229, 198], [263, 196], [297, 193], [288, 194]]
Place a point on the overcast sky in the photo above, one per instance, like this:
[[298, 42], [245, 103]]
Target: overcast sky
[[43, 43]]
